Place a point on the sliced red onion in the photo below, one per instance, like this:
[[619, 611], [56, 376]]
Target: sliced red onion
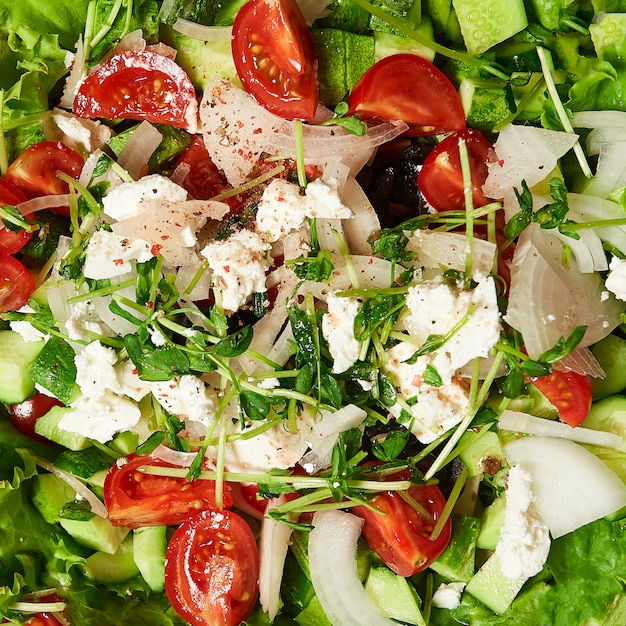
[[132, 42], [43, 202], [332, 562], [139, 148], [582, 362], [273, 545], [547, 301], [174, 457]]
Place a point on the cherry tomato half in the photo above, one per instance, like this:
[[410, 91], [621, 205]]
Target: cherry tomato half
[[26, 413], [16, 284], [569, 392], [11, 241], [441, 176], [35, 170], [399, 534], [275, 59], [410, 88], [212, 569], [134, 499], [139, 86], [204, 180]]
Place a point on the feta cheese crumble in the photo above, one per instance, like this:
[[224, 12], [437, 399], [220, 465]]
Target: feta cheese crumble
[[524, 539], [186, 397], [323, 201], [338, 330], [239, 264], [109, 255], [280, 210], [616, 280], [448, 595]]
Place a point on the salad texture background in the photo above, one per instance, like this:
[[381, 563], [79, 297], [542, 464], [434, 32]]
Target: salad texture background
[[274, 314]]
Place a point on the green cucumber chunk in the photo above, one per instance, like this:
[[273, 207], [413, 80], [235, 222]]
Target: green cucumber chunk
[[386, 44], [49, 495], [394, 596], [345, 15], [97, 533], [481, 452], [486, 102], [16, 358], [492, 522], [48, 426], [608, 34], [84, 463], [458, 561], [150, 544], [485, 23], [112, 568], [445, 21], [611, 354]]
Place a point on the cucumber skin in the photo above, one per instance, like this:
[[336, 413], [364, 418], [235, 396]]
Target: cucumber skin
[[16, 358]]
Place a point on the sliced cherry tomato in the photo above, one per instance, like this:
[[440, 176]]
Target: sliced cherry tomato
[[139, 86], [399, 534], [135, 499], [569, 392], [43, 619], [441, 176], [275, 59], [25, 414], [204, 180], [35, 170], [16, 284], [212, 569], [410, 88], [11, 241]]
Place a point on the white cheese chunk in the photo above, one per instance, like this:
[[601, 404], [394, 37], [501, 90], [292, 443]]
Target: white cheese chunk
[[448, 595], [239, 265], [338, 330], [616, 280], [109, 255], [186, 397], [84, 318], [323, 201], [281, 210], [524, 540]]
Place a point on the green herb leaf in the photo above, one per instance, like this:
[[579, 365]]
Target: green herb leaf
[[236, 343]]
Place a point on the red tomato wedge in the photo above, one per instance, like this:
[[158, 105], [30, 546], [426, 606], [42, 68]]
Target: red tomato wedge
[[441, 176], [34, 171], [569, 392], [399, 534], [11, 241], [410, 88], [275, 59], [212, 569], [16, 284], [139, 86], [135, 499]]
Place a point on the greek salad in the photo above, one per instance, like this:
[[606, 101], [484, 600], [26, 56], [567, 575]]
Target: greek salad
[[313, 313]]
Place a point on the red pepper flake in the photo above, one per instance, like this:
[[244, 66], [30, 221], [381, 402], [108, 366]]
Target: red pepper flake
[[118, 261], [226, 268], [257, 131], [150, 304], [164, 237], [156, 248]]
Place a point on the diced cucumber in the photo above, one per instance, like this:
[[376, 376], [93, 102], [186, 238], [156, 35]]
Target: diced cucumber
[[49, 495], [609, 415], [407, 9], [481, 452], [342, 59], [150, 544], [97, 533], [485, 23], [394, 596], [611, 354], [84, 463], [345, 15], [125, 443], [457, 562], [386, 44], [530, 95], [608, 33], [445, 21], [112, 568], [16, 358], [486, 102], [492, 521], [48, 426], [492, 587]]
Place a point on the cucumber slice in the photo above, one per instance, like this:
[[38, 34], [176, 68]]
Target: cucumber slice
[[112, 568], [611, 354], [48, 426], [394, 596], [16, 357], [97, 533], [150, 544], [457, 561], [485, 23]]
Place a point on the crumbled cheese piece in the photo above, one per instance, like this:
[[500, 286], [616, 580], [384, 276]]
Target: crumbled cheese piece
[[448, 595], [83, 317], [25, 329], [322, 200], [281, 210], [186, 397], [616, 280], [524, 539], [132, 198], [438, 408], [95, 371], [109, 255], [338, 330], [81, 133], [239, 264], [436, 307], [268, 383], [156, 336]]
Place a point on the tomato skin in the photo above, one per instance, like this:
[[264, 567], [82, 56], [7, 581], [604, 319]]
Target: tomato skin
[[571, 394], [139, 86], [34, 171], [212, 569], [16, 284], [11, 241], [441, 177], [275, 58], [26, 413], [400, 535], [134, 499], [410, 88]]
